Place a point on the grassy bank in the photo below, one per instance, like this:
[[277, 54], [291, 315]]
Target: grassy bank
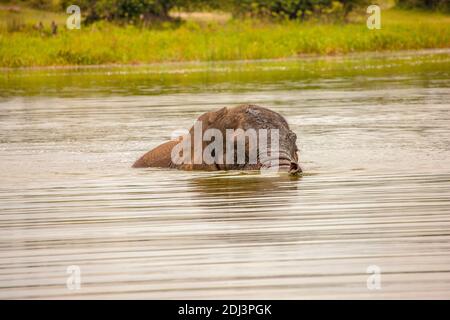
[[104, 43]]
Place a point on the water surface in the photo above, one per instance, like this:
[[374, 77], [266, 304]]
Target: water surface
[[374, 139]]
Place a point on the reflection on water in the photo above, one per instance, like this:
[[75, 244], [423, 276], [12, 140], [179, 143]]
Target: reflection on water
[[374, 148]]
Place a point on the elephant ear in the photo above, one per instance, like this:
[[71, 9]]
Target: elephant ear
[[208, 120], [213, 117]]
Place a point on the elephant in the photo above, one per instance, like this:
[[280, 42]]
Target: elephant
[[231, 138]]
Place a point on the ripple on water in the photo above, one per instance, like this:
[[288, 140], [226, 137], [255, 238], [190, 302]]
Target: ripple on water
[[374, 192]]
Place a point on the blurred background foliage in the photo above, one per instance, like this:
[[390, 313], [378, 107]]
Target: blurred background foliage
[[135, 11], [439, 5], [34, 32]]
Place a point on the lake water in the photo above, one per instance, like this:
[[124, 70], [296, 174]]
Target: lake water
[[374, 139]]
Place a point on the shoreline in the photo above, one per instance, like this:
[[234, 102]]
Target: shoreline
[[306, 57]]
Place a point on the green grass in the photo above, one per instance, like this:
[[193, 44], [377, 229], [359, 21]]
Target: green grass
[[105, 43]]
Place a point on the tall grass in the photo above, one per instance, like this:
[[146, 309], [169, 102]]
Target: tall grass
[[103, 42]]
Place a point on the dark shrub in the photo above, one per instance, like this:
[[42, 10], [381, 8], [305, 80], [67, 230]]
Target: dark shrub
[[295, 9], [123, 10], [441, 5]]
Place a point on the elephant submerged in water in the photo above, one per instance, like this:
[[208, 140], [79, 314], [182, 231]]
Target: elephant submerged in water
[[245, 137]]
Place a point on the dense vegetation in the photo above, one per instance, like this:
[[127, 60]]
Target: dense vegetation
[[440, 5], [296, 9], [138, 10], [123, 10], [116, 34]]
